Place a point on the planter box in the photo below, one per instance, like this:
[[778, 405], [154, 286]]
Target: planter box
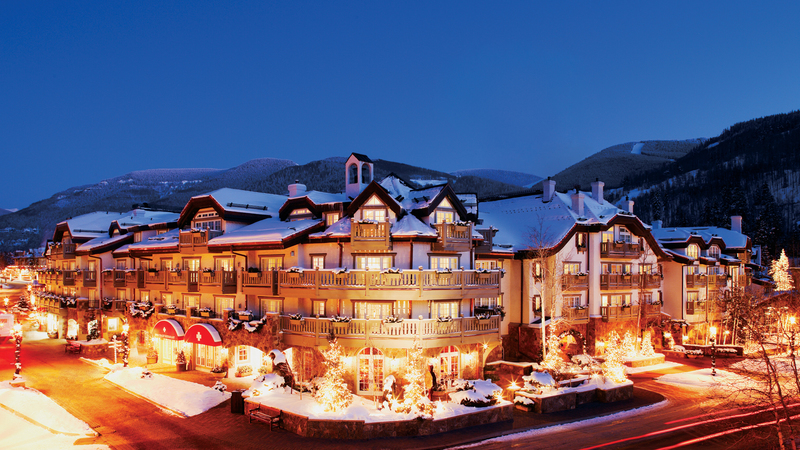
[[152, 360], [340, 327], [205, 313], [245, 317], [554, 403], [180, 367], [615, 394], [484, 276]]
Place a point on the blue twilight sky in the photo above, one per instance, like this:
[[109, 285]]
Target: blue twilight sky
[[93, 90]]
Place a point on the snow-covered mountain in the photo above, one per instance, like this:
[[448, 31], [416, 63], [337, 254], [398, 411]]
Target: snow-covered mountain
[[613, 164], [520, 179], [3, 212]]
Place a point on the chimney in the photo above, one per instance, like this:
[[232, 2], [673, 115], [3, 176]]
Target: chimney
[[736, 224], [597, 190], [577, 202], [297, 189], [628, 203], [657, 224], [549, 188]]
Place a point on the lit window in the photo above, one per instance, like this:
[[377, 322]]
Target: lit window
[[242, 353], [376, 215], [693, 251], [487, 264], [331, 218], [446, 309], [271, 305], [444, 262], [571, 268], [271, 263], [318, 308], [318, 262], [223, 303], [443, 216], [373, 262], [113, 323]]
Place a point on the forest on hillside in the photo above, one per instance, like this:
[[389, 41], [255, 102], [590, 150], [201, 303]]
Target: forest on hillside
[[752, 169]]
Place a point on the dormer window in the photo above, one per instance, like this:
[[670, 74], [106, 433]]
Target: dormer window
[[207, 220], [444, 213], [137, 236], [374, 210], [713, 252], [300, 214], [693, 251], [331, 218], [625, 235]]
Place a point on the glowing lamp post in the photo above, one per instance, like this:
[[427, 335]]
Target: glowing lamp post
[[18, 339], [125, 350], [713, 331], [792, 321]]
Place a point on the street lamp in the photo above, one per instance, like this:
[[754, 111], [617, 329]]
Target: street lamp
[[792, 321], [713, 331], [125, 350], [18, 340]]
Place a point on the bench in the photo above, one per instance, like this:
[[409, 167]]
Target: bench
[[72, 347], [265, 414]]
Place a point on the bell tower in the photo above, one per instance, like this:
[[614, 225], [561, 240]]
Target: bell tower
[[358, 173]]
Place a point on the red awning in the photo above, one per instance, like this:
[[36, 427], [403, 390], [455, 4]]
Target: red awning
[[168, 329], [203, 333]]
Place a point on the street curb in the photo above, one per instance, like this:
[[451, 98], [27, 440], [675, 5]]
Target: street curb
[[38, 424], [160, 406]]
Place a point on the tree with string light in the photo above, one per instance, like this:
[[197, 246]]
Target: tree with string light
[[780, 274], [18, 350], [125, 348], [333, 392]]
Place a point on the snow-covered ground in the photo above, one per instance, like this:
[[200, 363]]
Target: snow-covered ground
[[37, 422], [654, 367], [184, 397], [782, 365], [360, 409]]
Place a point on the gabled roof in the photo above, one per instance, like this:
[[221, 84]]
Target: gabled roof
[[425, 201], [676, 237], [373, 188], [360, 157], [166, 242], [104, 244], [233, 204], [86, 226], [267, 233]]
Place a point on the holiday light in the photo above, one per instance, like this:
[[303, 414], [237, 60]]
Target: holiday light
[[333, 391], [613, 368], [780, 273]]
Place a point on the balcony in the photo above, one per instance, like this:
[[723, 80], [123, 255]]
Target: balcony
[[619, 281], [576, 315], [68, 278], [225, 279], [367, 236], [618, 313], [652, 310], [259, 281], [196, 240], [696, 280], [574, 282], [119, 278], [717, 281], [89, 278], [650, 280], [453, 237], [68, 251], [152, 276], [620, 250], [429, 333], [407, 285]]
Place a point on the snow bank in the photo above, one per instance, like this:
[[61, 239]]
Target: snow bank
[[185, 397], [19, 434], [37, 406], [724, 381]]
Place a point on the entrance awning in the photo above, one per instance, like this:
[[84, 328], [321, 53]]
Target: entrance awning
[[168, 329], [203, 333]]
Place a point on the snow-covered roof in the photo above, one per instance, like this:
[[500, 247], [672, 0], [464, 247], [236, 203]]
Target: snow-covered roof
[[101, 241], [238, 200], [519, 219], [143, 217], [264, 231], [420, 198], [396, 186], [159, 241], [411, 226], [732, 239], [92, 225], [319, 198], [339, 229]]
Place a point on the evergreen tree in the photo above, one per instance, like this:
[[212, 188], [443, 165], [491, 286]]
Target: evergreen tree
[[780, 274], [333, 392]]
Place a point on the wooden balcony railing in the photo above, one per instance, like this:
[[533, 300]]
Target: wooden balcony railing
[[652, 310], [696, 280], [696, 308], [453, 237], [370, 235], [615, 313], [576, 314], [68, 278], [358, 331], [574, 282], [192, 240], [717, 281], [650, 280], [119, 278], [620, 250], [154, 277], [409, 284], [89, 278], [69, 251], [619, 281]]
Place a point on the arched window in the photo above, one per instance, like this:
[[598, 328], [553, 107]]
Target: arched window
[[353, 171], [365, 175], [713, 252], [370, 371], [693, 251]]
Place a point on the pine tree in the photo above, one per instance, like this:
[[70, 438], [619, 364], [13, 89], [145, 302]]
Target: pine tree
[[780, 274], [647, 345], [333, 392], [415, 376], [612, 367], [628, 346]]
